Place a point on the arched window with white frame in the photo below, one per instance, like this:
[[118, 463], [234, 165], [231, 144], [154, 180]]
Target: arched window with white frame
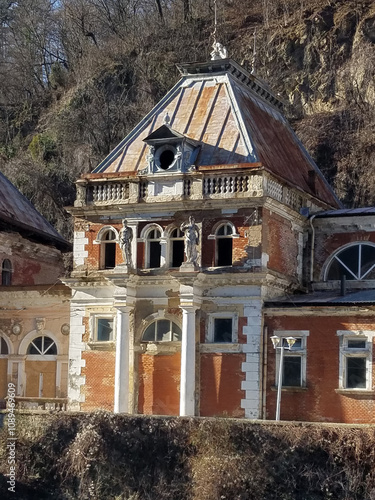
[[224, 245], [176, 247], [355, 261], [153, 248], [41, 367], [108, 239], [162, 330]]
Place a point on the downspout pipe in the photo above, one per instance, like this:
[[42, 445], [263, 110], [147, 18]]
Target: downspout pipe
[[312, 255]]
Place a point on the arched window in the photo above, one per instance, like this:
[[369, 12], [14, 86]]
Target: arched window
[[108, 250], [3, 347], [356, 262], [224, 245], [176, 248], [6, 273], [162, 330], [153, 248], [43, 346]]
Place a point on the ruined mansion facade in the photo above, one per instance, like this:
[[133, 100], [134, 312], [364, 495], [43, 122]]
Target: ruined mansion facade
[[205, 232]]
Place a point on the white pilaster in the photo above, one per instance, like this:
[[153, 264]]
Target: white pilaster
[[187, 383], [121, 403]]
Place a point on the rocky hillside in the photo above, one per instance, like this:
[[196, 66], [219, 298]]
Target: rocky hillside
[[76, 76]]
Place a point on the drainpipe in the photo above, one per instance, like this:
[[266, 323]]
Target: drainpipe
[[264, 384], [312, 256]]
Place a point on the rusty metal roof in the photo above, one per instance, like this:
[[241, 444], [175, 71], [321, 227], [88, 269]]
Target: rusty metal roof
[[18, 214], [235, 118]]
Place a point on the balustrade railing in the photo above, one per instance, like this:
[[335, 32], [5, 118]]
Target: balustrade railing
[[45, 404], [117, 191]]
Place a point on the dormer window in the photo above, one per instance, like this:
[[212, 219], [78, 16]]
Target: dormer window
[[165, 156], [169, 151]]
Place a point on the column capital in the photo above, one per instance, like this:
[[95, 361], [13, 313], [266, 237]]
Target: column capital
[[124, 308]]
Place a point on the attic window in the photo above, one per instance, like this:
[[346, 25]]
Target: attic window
[[355, 261], [166, 159]]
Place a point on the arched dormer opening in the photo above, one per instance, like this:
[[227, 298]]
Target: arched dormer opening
[[355, 261]]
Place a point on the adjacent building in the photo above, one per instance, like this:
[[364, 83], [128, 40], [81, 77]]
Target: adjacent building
[[34, 305]]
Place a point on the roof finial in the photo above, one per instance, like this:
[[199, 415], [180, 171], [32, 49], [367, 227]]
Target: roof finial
[[219, 52], [167, 118]]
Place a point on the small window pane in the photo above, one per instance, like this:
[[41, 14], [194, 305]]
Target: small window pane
[[163, 330], [292, 371], [176, 333], [149, 335], [223, 330], [104, 329], [356, 373], [297, 344], [357, 344]]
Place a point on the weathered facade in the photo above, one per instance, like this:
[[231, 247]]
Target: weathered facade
[[34, 305], [172, 310]]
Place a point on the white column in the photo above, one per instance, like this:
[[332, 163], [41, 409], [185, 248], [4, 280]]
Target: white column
[[187, 383], [122, 361]]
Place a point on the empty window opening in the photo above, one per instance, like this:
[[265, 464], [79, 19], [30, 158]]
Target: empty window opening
[[6, 273], [223, 328], [224, 246], [154, 248], [166, 159], [108, 250], [177, 246], [356, 373]]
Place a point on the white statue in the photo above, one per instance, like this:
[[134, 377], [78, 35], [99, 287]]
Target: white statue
[[126, 237], [219, 52], [191, 231]]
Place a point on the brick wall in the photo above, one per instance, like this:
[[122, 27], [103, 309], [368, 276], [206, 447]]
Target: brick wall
[[320, 402], [100, 380], [159, 384], [280, 243], [220, 384]]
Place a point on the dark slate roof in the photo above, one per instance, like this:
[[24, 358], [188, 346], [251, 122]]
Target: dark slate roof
[[18, 214], [326, 298], [235, 118], [346, 212]]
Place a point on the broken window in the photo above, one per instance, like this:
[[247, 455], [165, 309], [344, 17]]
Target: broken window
[[356, 262], [104, 330]]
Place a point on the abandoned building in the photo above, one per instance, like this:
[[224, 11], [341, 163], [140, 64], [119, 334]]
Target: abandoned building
[[204, 233], [34, 305]]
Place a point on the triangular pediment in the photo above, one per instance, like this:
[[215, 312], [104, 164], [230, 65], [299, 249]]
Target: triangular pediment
[[165, 132]]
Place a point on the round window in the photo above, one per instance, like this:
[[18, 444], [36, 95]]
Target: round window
[[166, 159]]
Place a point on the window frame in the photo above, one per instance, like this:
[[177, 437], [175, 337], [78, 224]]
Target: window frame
[[154, 322], [147, 241], [293, 352], [346, 352], [93, 333], [359, 276], [100, 239], [171, 240], [44, 357], [210, 331]]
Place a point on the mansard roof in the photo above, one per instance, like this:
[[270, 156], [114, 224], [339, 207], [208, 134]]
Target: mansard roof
[[18, 214], [235, 118]]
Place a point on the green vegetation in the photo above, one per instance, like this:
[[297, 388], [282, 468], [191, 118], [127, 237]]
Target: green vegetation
[[104, 456]]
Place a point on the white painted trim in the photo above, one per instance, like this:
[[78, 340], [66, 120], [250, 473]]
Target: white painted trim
[[210, 327], [22, 350]]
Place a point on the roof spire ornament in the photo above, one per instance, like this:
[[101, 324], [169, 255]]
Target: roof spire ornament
[[167, 119], [219, 52]]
